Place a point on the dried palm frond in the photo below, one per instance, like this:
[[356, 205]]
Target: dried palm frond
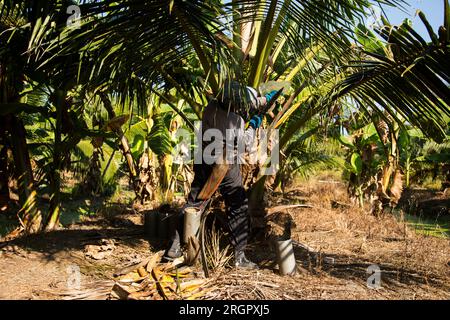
[[216, 257], [397, 187], [96, 290]]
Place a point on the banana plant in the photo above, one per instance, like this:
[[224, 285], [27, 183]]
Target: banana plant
[[419, 155], [365, 159], [411, 143]]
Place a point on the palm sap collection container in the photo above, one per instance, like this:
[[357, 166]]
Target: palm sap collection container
[[192, 218], [285, 257]]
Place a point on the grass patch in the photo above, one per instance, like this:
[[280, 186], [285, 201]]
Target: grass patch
[[439, 227]]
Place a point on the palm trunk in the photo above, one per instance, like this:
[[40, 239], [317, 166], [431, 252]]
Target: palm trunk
[[124, 146], [30, 216], [4, 177], [11, 82], [55, 176], [237, 34]]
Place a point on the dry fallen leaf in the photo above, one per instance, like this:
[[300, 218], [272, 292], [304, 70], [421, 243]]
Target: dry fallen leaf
[[154, 260], [121, 292], [100, 252], [142, 272]]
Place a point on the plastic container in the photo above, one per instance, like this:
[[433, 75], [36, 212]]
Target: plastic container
[[274, 86], [176, 222], [192, 217], [150, 224], [286, 257], [162, 231]]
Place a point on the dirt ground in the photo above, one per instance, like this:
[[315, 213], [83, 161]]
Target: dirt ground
[[334, 245]]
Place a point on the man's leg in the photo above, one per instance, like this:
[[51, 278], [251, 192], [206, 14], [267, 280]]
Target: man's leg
[[236, 202], [201, 174]]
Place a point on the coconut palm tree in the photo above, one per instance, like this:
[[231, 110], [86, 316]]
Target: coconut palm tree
[[23, 29], [383, 81], [132, 47]]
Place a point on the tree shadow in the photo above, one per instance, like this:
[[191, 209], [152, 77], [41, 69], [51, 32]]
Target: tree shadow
[[263, 252], [50, 244], [343, 266]]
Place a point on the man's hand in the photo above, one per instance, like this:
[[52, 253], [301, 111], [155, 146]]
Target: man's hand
[[255, 121], [270, 95]]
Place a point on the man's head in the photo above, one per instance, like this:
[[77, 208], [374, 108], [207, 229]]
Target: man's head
[[238, 98]]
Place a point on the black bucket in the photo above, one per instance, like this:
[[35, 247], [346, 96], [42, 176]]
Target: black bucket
[[162, 231], [151, 224]]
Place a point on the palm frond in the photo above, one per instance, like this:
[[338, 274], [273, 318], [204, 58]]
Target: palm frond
[[409, 80]]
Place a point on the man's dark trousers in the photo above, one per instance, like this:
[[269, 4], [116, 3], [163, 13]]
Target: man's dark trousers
[[235, 199]]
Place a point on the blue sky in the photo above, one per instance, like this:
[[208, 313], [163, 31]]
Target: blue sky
[[433, 9]]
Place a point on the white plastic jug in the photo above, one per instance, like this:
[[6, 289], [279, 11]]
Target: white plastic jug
[[274, 86]]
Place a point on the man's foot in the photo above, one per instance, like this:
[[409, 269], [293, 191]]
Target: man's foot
[[174, 251], [172, 254], [241, 261]]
